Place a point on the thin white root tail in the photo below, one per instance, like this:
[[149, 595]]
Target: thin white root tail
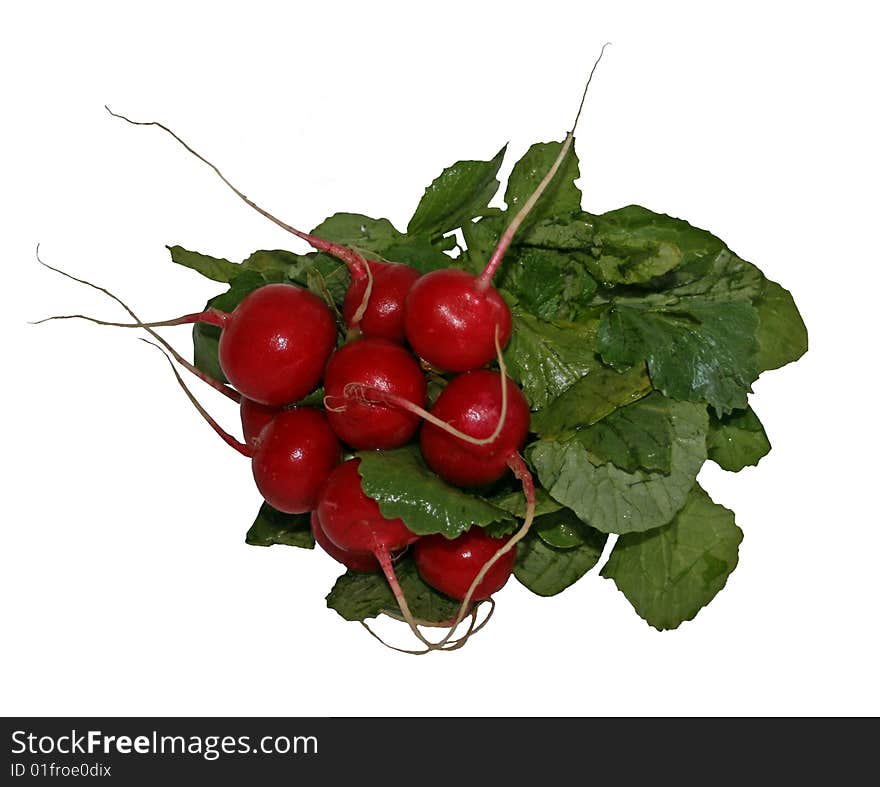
[[506, 239], [226, 390], [227, 438]]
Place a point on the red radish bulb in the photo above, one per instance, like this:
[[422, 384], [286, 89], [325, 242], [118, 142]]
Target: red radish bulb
[[451, 317], [385, 368], [363, 564], [472, 403], [451, 565], [383, 317], [293, 456], [254, 417], [353, 521], [275, 344]]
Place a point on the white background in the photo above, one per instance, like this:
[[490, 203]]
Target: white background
[[126, 584]]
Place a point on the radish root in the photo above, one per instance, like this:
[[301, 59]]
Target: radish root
[[452, 644], [210, 316], [226, 390], [521, 471], [485, 279], [353, 261], [224, 435], [384, 559]]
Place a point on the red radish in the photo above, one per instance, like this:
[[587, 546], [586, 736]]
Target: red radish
[[472, 404], [273, 345], [294, 455], [254, 417], [382, 366], [363, 564], [374, 301], [451, 565], [451, 317], [383, 317], [353, 522]]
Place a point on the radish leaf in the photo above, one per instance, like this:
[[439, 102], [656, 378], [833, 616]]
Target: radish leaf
[[671, 573], [403, 486], [546, 568], [782, 335], [460, 193], [737, 440], [273, 527], [616, 501], [361, 596]]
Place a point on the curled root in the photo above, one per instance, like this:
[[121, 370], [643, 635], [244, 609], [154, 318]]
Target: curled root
[[365, 301], [335, 404], [450, 644]]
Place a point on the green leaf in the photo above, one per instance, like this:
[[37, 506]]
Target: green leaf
[[562, 529], [670, 574], [633, 437], [565, 232], [320, 273], [546, 569], [633, 245], [481, 237], [737, 440], [362, 596], [207, 337], [698, 336], [616, 501], [546, 358], [782, 335], [597, 394], [561, 196], [357, 596], [460, 193], [275, 264], [403, 486], [419, 253], [515, 503], [212, 267], [357, 231], [273, 527], [550, 284]]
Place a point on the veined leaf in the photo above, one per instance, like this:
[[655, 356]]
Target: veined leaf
[[403, 486], [457, 195], [737, 440], [616, 501], [671, 573]]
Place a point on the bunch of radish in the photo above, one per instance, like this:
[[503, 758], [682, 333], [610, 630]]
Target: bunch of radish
[[394, 403]]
